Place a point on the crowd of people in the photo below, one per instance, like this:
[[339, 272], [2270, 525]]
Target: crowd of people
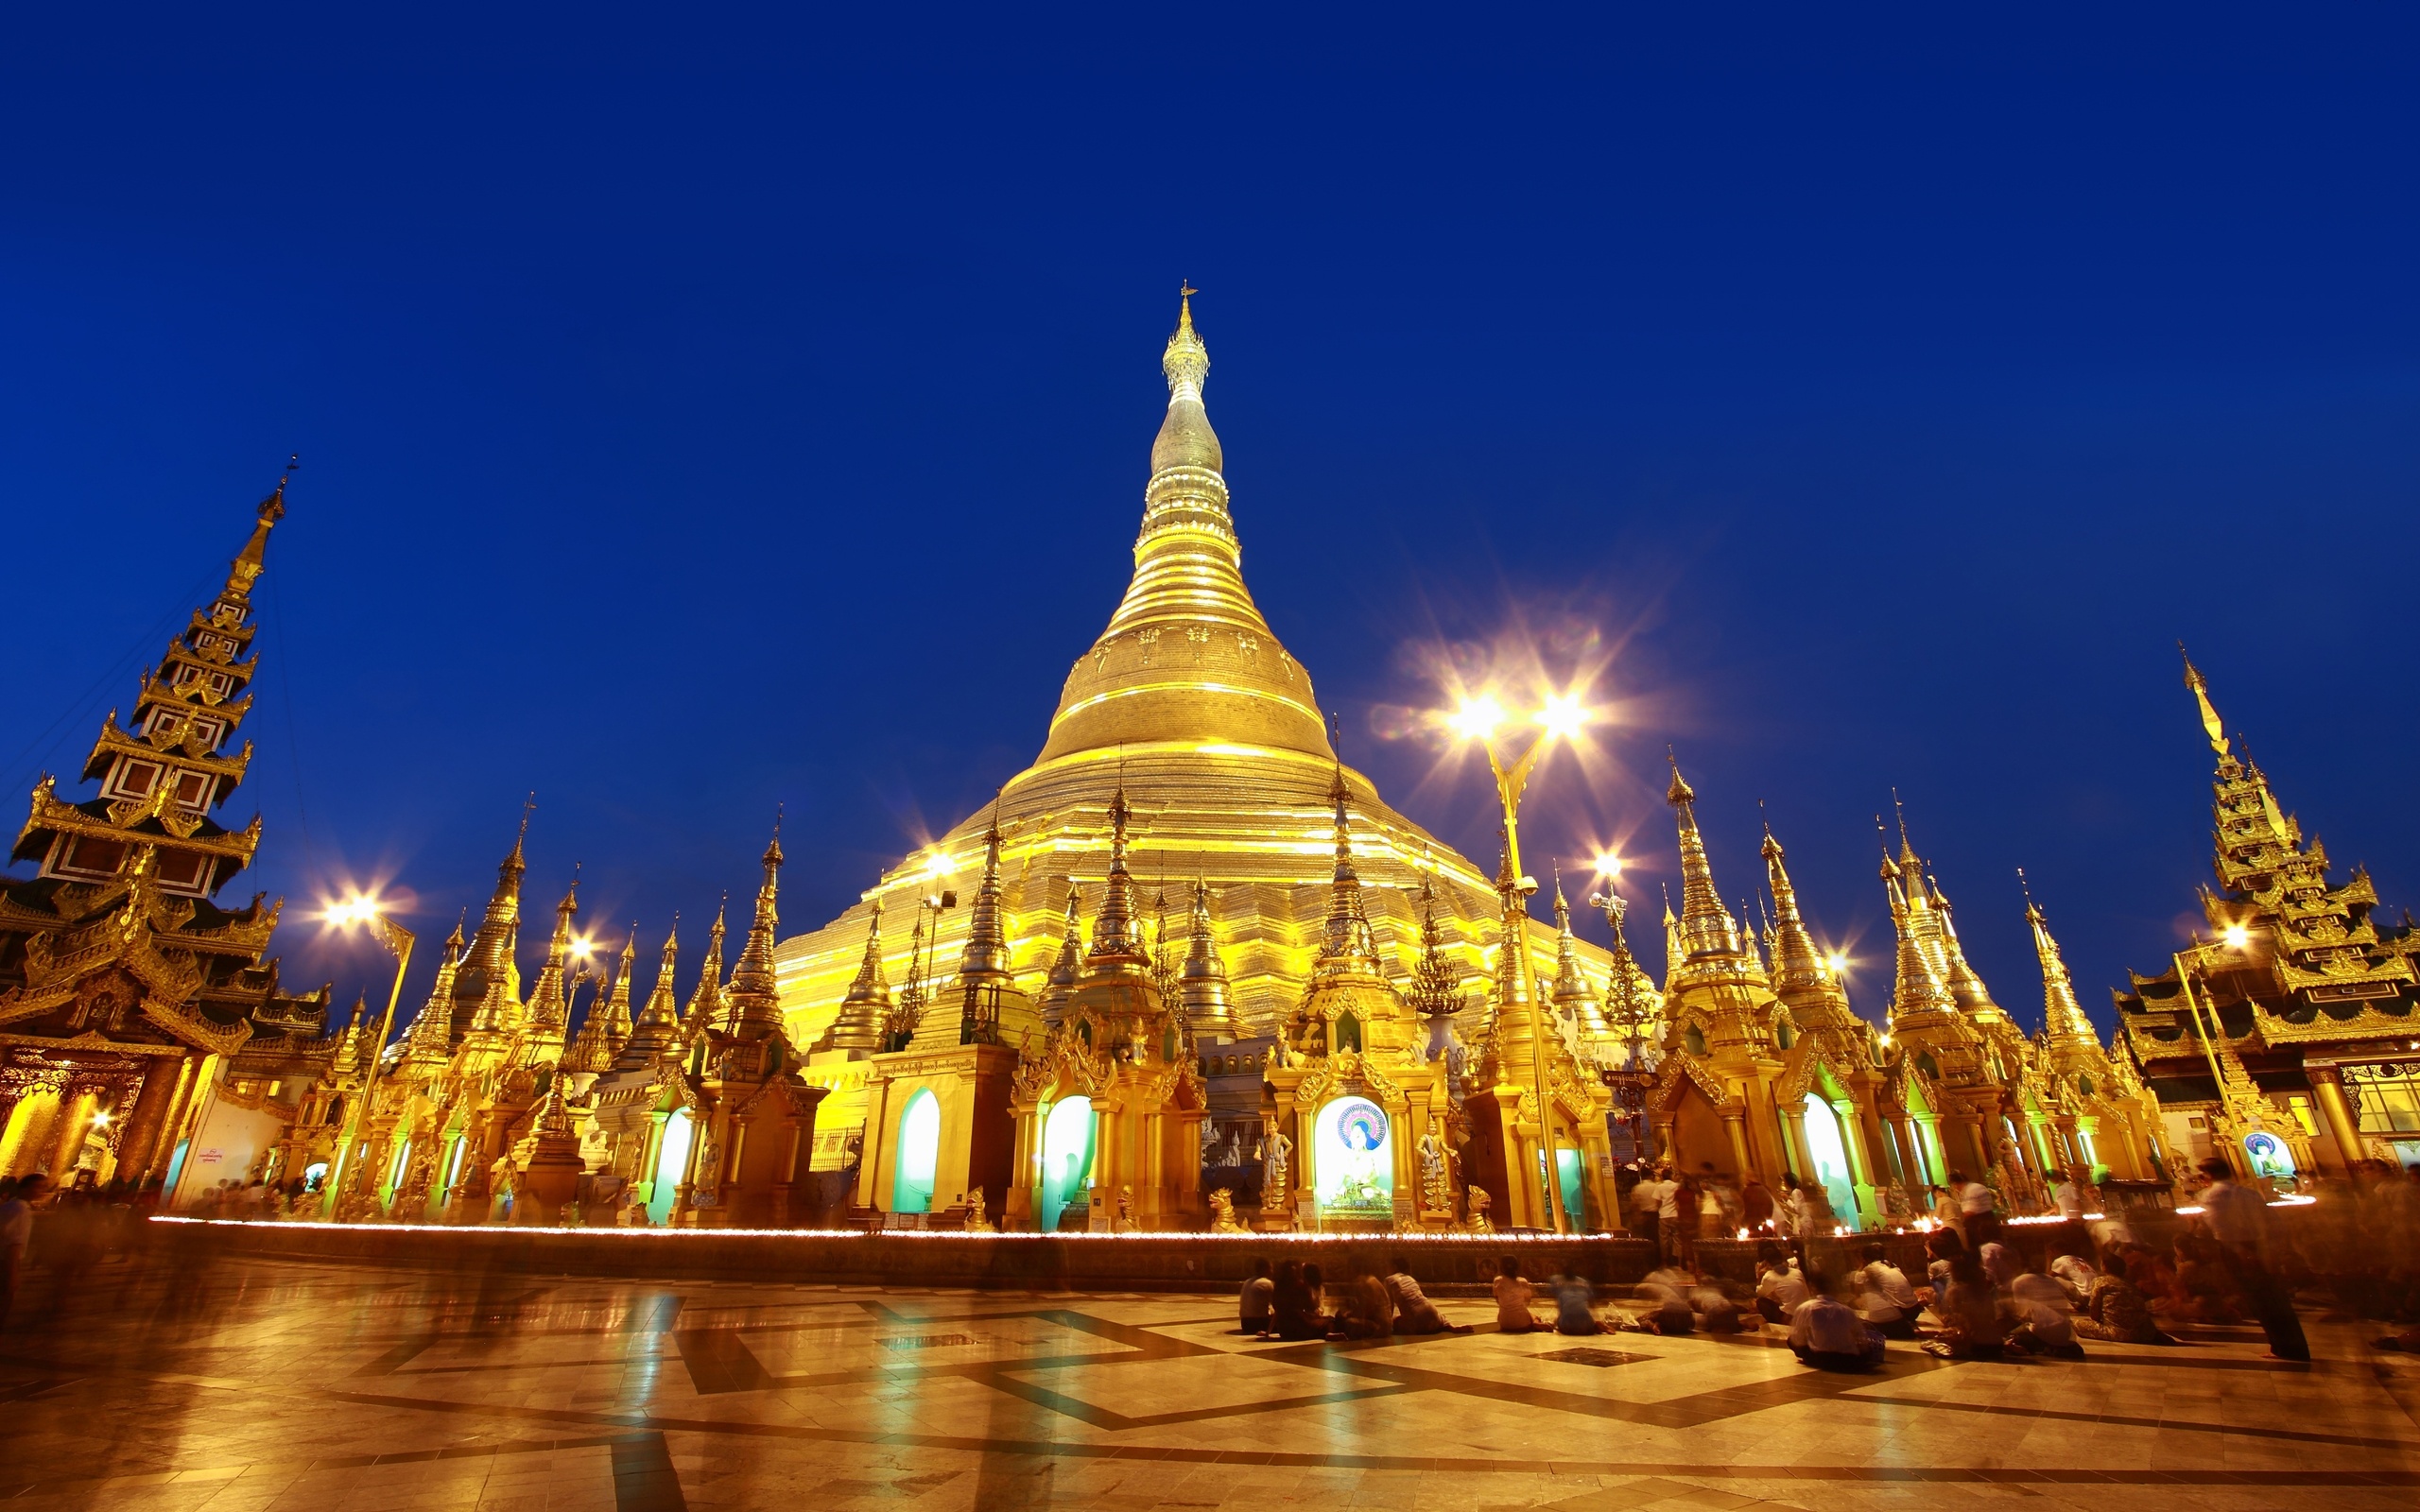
[[1975, 1298]]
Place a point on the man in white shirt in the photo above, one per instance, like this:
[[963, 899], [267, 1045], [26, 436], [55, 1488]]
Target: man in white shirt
[[1829, 1336], [1885, 1299], [1779, 1288], [2070, 1200], [1668, 1216], [1645, 1202], [1975, 1204]]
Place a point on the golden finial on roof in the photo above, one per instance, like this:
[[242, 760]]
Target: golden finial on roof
[[2201, 687], [1186, 361]]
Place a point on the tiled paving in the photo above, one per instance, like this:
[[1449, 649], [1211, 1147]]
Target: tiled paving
[[271, 1386]]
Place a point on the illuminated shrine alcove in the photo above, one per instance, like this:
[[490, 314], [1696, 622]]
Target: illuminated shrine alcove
[[671, 1162], [1066, 1158], [1830, 1158], [1355, 1161], [920, 1150]]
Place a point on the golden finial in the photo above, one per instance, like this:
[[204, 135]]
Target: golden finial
[[2201, 687], [1186, 361]]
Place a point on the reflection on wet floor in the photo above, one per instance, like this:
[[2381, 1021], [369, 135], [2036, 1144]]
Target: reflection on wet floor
[[272, 1384]]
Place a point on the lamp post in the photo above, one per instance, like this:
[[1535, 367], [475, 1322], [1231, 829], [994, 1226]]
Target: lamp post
[[2235, 938], [398, 940], [1478, 720]]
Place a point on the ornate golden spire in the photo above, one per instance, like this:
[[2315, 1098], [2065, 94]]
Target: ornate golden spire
[[1203, 982], [1918, 1000], [246, 569], [1345, 939], [431, 1037], [865, 1012], [549, 1010], [1187, 655], [490, 961], [753, 1000], [659, 1023], [1800, 977], [1070, 964], [1573, 997], [1436, 986], [2201, 687], [1114, 937], [705, 1004], [2063, 1022], [987, 945], [1707, 932]]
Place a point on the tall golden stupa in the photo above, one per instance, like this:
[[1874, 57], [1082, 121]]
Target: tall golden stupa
[[1189, 701]]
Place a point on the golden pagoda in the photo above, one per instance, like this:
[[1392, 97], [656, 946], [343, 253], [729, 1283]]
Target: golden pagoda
[[2284, 1040], [1189, 706], [128, 993]]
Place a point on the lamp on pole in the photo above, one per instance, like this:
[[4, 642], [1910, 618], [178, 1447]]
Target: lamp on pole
[[398, 940], [1561, 718]]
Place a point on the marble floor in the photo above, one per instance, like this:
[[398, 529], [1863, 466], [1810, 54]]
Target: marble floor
[[259, 1386]]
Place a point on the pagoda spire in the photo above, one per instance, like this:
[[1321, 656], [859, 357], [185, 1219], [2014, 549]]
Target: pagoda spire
[[1070, 964], [705, 1004], [1918, 1000], [548, 1014], [1208, 1008], [1115, 935], [606, 1026], [2201, 687], [659, 1023], [492, 948], [2064, 1025], [1800, 976], [1345, 939], [1189, 587], [865, 1011], [430, 1039], [165, 772], [1436, 986], [753, 999], [1707, 930], [1574, 998], [986, 956]]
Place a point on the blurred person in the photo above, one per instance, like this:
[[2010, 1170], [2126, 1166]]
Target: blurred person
[[2237, 1219], [1885, 1299], [1512, 1297], [1827, 1334], [1253, 1301]]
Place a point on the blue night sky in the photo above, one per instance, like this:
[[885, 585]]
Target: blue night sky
[[693, 425]]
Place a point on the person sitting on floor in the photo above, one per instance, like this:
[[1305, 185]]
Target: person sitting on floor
[[1667, 1311], [1573, 1301], [1254, 1302], [2040, 1309], [1828, 1336], [2113, 1309], [1884, 1298], [2077, 1275], [1415, 1312], [1779, 1286], [1512, 1297], [1971, 1326], [1294, 1303], [1363, 1311]]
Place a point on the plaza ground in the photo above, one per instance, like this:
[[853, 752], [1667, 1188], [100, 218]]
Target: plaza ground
[[258, 1385]]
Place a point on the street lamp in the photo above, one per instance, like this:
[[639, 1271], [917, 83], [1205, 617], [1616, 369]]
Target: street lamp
[[1560, 717], [355, 911]]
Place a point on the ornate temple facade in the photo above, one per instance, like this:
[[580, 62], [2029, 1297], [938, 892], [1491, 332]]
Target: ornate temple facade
[[2286, 1039], [1766, 1068], [129, 991], [1346, 1026]]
